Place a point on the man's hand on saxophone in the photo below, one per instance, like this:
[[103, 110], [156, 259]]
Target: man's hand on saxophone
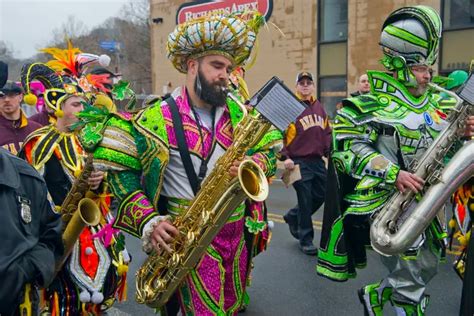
[[407, 180], [96, 179], [234, 169], [164, 232], [469, 131]]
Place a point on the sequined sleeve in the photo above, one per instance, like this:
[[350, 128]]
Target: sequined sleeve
[[267, 161], [354, 152], [118, 155], [264, 153], [135, 210]]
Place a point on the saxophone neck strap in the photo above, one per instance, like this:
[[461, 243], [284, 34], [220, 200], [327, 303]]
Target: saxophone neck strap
[[183, 146]]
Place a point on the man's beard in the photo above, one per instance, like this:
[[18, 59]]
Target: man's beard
[[213, 94], [419, 90]]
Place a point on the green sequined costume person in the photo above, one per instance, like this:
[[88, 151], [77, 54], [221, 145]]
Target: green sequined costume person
[[375, 136]]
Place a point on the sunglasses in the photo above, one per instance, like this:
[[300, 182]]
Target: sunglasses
[[305, 83]]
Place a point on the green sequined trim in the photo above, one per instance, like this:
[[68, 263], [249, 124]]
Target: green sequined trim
[[238, 289], [205, 297], [238, 214], [121, 183], [120, 123], [117, 157], [234, 112]]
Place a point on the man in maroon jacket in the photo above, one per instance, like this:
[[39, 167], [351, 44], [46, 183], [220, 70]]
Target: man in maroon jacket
[[307, 140], [14, 126]]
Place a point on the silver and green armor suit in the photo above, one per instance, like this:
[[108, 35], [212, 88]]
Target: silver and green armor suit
[[371, 129], [374, 136]]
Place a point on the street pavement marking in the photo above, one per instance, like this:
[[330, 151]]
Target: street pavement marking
[[318, 225], [113, 311], [279, 219]]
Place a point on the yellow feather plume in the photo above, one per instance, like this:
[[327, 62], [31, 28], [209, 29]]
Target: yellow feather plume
[[64, 59]]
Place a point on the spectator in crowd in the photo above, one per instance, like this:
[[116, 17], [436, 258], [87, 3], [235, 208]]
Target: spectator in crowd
[[363, 86], [14, 125], [306, 142]]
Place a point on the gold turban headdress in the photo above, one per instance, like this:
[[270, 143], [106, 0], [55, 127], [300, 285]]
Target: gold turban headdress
[[232, 36]]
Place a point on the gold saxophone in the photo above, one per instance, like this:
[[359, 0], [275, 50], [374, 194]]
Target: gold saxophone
[[397, 226], [220, 194], [77, 211]]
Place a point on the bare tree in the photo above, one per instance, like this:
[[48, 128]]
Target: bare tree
[[131, 58], [7, 55], [137, 12], [73, 28], [136, 49]]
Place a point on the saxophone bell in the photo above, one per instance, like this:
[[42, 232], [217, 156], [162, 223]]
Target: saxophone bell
[[77, 211], [87, 214], [253, 181]]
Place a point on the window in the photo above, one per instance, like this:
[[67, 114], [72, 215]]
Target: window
[[333, 20], [453, 58], [331, 91], [332, 53], [458, 14], [332, 59], [458, 27]]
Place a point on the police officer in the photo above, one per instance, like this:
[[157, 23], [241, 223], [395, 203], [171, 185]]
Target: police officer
[[30, 236]]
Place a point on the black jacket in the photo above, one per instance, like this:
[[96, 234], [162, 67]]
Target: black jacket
[[29, 249]]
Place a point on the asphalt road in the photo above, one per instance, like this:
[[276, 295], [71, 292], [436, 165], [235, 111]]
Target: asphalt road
[[284, 281]]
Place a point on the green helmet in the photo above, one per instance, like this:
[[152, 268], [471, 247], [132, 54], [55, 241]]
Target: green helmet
[[410, 36], [456, 79]]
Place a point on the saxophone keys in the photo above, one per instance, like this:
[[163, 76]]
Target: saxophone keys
[[175, 259], [159, 284], [190, 237], [205, 216], [392, 227], [436, 176]]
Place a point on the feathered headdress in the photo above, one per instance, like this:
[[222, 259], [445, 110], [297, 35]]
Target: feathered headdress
[[67, 74]]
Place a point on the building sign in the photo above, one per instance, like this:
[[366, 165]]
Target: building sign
[[196, 9]]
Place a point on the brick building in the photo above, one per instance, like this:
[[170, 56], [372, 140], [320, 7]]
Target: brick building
[[336, 40]]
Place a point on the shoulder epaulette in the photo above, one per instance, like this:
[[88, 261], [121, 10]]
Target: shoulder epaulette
[[37, 133], [360, 108], [363, 103], [151, 122], [45, 140]]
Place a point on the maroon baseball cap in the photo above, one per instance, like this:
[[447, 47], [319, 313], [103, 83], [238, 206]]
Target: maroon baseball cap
[[304, 74]]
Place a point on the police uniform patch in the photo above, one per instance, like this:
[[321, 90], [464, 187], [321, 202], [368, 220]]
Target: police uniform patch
[[25, 209]]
